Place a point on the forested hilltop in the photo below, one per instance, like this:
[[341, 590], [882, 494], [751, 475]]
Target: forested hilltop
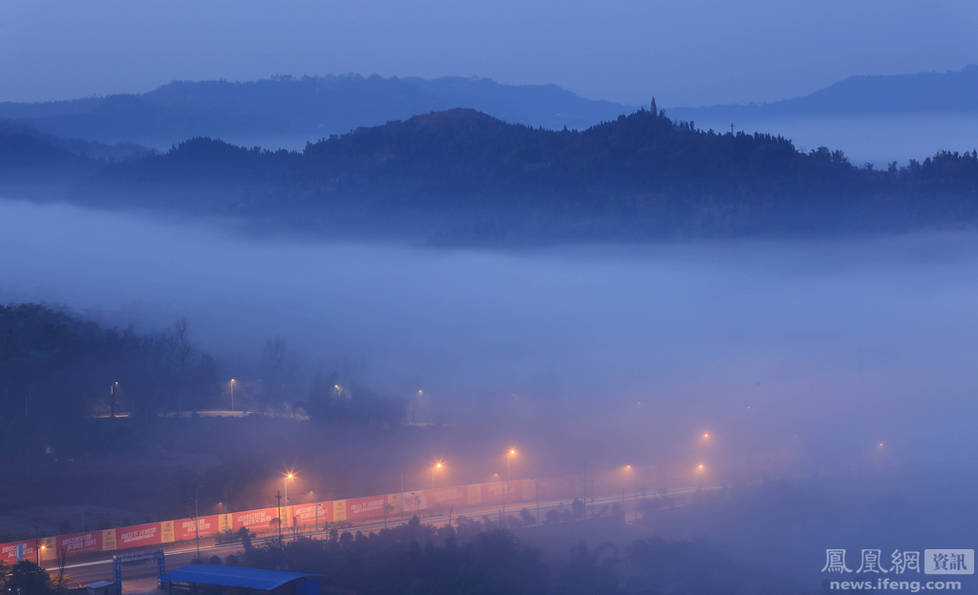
[[464, 175]]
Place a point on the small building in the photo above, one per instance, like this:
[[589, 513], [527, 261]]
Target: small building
[[214, 579]]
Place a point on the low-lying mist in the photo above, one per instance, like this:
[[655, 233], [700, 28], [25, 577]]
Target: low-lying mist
[[820, 349]]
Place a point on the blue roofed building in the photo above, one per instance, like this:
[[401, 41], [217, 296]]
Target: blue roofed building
[[214, 579]]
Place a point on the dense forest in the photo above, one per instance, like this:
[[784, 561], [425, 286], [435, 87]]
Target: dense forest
[[488, 556], [642, 175], [473, 557], [461, 175], [57, 366]]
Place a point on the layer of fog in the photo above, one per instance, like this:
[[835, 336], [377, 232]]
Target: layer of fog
[[833, 344]]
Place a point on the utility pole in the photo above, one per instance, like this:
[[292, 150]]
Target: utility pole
[[278, 500], [536, 493], [509, 473]]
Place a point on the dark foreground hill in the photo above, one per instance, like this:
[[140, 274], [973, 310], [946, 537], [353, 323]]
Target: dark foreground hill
[[468, 175], [463, 176], [308, 107]]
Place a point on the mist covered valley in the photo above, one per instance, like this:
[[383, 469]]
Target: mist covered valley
[[793, 335], [838, 367]]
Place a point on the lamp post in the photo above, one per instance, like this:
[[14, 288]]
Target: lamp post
[[232, 383], [436, 467], [285, 482], [509, 472]]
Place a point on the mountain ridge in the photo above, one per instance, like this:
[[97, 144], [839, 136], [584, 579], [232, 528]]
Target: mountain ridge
[[922, 92], [309, 106]]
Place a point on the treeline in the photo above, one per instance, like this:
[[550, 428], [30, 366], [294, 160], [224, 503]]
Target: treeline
[[640, 175], [58, 367], [462, 175], [482, 557]]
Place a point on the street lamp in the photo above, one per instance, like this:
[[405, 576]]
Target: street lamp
[[509, 474], [706, 436], [285, 481], [232, 383], [438, 466], [112, 391], [627, 471]]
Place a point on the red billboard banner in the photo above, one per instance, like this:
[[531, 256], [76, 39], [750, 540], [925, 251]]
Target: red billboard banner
[[445, 497], [80, 543], [365, 508], [562, 487], [264, 520], [138, 535], [8, 551], [412, 502], [260, 519], [307, 515], [183, 529], [492, 492]]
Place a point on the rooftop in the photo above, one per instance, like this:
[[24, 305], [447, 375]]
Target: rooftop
[[234, 576]]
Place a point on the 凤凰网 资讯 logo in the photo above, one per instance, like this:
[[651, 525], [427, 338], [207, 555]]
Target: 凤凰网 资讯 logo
[[876, 561]]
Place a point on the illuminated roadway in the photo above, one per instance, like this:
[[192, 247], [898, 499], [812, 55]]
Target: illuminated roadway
[[182, 553]]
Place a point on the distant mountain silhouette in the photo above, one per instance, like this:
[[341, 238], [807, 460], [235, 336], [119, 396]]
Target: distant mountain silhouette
[[926, 92], [30, 156], [311, 107]]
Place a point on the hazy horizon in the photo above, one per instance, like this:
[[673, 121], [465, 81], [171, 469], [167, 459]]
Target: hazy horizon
[[688, 54]]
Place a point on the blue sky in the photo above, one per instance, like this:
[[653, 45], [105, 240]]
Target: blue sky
[[691, 52]]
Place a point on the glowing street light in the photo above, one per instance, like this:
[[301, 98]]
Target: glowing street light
[[438, 466], [707, 436], [700, 468], [881, 445], [285, 481], [510, 455], [231, 384], [627, 471]]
